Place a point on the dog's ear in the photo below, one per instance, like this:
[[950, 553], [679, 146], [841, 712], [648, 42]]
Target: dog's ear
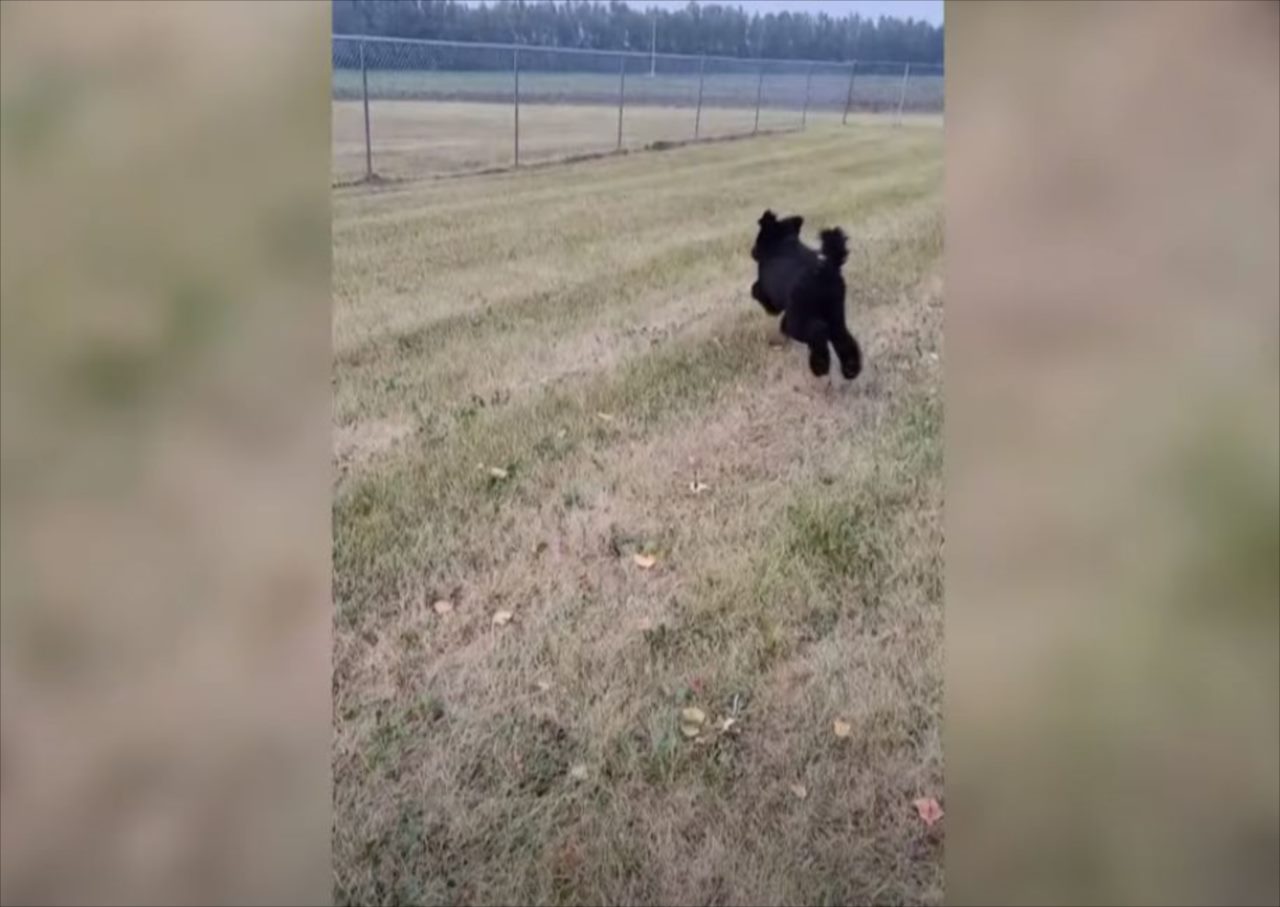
[[768, 218], [793, 224]]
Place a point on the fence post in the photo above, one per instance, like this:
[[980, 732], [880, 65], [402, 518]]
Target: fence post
[[902, 95], [653, 48], [808, 81], [515, 60], [697, 117], [848, 98], [622, 93], [759, 91], [368, 144]]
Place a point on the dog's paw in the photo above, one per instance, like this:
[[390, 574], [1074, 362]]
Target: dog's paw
[[819, 362], [850, 370]]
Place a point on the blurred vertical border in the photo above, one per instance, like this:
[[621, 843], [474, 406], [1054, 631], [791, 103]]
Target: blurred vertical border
[[1113, 453], [164, 526]]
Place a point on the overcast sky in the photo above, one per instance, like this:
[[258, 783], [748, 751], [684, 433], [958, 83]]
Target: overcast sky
[[928, 10]]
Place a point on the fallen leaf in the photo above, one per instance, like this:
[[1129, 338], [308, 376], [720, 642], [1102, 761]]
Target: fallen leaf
[[800, 791], [605, 417], [644, 561], [691, 721], [502, 618], [928, 809], [842, 728], [543, 686], [443, 607], [498, 472], [698, 487], [727, 723], [578, 773]]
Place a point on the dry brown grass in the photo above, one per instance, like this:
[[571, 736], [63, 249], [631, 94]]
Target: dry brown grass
[[587, 329]]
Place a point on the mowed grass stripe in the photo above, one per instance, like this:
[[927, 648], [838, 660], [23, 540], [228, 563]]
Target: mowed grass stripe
[[600, 178], [615, 181], [429, 382], [382, 288], [448, 256], [560, 235], [431, 226], [601, 282]]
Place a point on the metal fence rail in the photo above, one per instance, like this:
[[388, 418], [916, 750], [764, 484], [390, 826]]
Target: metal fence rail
[[417, 108]]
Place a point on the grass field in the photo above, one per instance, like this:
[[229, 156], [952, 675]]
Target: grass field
[[415, 139], [542, 380], [827, 89]]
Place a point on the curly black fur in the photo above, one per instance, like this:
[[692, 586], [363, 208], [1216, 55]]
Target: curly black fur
[[807, 289]]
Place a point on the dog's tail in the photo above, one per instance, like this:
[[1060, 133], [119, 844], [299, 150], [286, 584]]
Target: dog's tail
[[835, 247]]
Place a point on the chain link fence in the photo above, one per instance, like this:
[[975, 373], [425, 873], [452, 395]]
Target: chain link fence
[[404, 109]]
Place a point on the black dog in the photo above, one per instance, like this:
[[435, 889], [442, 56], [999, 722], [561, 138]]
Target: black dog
[[807, 289]]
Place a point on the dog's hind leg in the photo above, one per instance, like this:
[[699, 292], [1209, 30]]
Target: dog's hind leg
[[814, 334], [849, 352], [819, 356]]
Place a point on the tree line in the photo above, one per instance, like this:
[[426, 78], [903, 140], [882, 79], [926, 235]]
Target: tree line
[[699, 28]]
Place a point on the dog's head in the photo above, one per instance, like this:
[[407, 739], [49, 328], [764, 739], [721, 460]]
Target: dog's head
[[774, 234]]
